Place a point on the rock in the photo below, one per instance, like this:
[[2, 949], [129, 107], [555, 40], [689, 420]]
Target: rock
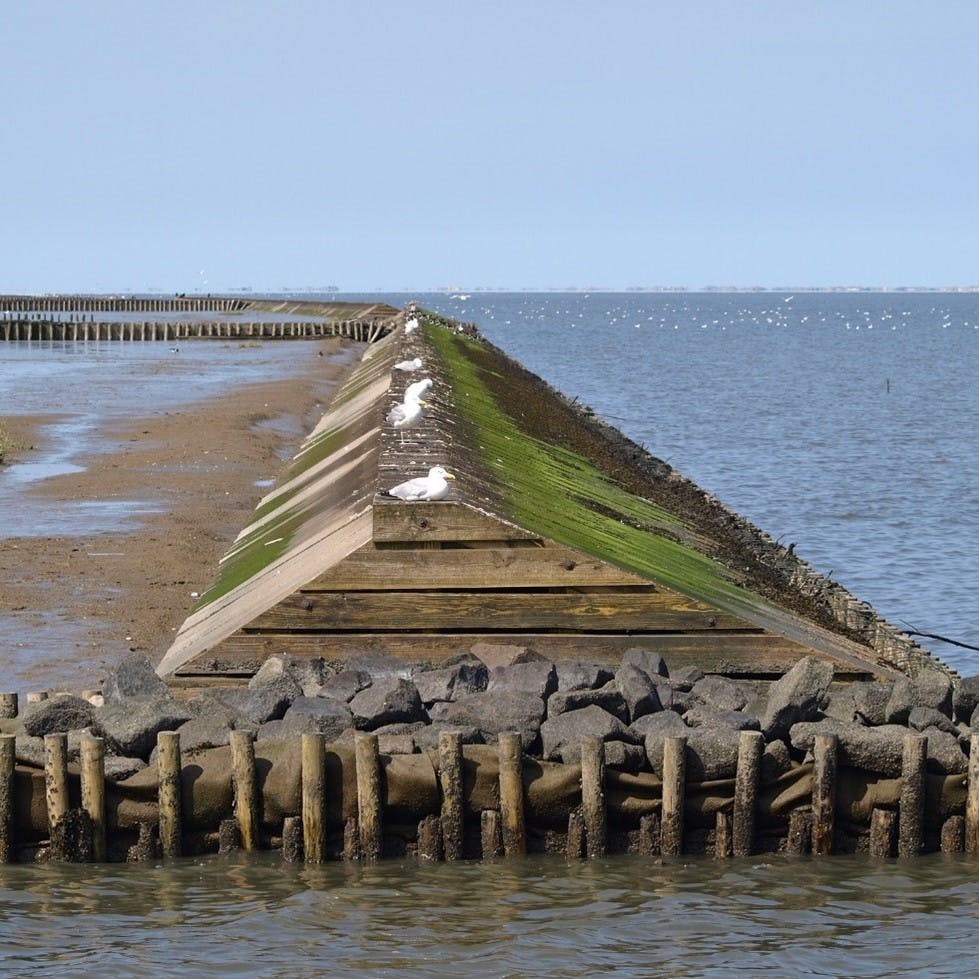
[[872, 749], [672, 697], [720, 693], [712, 753], [624, 756], [131, 727], [312, 715], [252, 706], [685, 677], [133, 677], [922, 718], [930, 688], [536, 677], [386, 701], [345, 685], [396, 744], [608, 697], [118, 768], [703, 715], [870, 702], [427, 739], [280, 673], [798, 696], [58, 714], [945, 754], [652, 664], [206, 731], [562, 735], [451, 682], [491, 715], [965, 698], [638, 691], [498, 654], [841, 705], [775, 761], [576, 675], [654, 729]]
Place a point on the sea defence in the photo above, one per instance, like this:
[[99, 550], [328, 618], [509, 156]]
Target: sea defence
[[578, 651]]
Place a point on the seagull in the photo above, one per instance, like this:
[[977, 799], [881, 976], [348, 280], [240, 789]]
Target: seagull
[[411, 325], [408, 414], [408, 365], [430, 487], [418, 390]]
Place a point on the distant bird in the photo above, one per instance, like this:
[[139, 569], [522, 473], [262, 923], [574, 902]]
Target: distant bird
[[434, 486], [418, 390], [408, 365], [411, 325]]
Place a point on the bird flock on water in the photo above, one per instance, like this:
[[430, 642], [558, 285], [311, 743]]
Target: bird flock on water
[[409, 414]]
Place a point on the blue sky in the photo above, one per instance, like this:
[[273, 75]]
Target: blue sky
[[385, 145]]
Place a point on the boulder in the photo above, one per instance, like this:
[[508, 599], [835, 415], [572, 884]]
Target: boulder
[[672, 697], [870, 702], [945, 754], [796, 697], [712, 753], [344, 685], [654, 729], [649, 662], [536, 677], [209, 730], [685, 677], [291, 676], [930, 688], [310, 715], [491, 714], [387, 700], [118, 768], [720, 693], [703, 715], [576, 675], [58, 714], [451, 682], [562, 735], [252, 707], [625, 756], [775, 761], [427, 738], [638, 691], [922, 718], [130, 728], [608, 697], [965, 698], [870, 749], [498, 654], [134, 676]]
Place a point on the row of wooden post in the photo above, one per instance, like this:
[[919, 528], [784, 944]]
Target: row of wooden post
[[503, 831], [147, 304]]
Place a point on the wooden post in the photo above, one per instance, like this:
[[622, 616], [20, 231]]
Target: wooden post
[[8, 705], [751, 744], [314, 796], [593, 796], [674, 780], [490, 834], [576, 835], [511, 795], [292, 839], [799, 839], [351, 839], [883, 823], [229, 836], [171, 817], [972, 799], [430, 839], [723, 835], [7, 760], [953, 834], [649, 835], [56, 777], [824, 793], [450, 781], [911, 815], [93, 791], [246, 790], [368, 795]]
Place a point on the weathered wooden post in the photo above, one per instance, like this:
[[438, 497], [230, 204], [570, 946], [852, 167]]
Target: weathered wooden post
[[245, 788], [723, 834], [292, 839], [93, 791], [491, 840], [575, 846], [450, 781], [649, 835], [883, 823], [368, 795], [168, 768], [56, 777], [593, 796], [674, 790], [314, 796], [911, 815], [824, 793], [7, 760], [953, 834], [972, 799], [511, 795], [8, 705], [751, 744], [430, 839]]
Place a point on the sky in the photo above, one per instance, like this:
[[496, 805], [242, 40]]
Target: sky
[[208, 146]]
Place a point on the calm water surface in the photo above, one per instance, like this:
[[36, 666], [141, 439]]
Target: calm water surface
[[625, 916]]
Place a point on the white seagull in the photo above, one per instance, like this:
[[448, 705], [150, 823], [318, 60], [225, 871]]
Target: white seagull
[[408, 365], [408, 414], [418, 390], [434, 486], [411, 325]]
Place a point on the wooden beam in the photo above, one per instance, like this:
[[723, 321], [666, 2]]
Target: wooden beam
[[444, 521]]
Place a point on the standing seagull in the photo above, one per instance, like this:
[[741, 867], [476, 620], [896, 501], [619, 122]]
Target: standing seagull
[[408, 414], [411, 325], [430, 487]]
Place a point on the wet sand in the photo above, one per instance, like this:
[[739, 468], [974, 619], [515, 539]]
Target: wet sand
[[71, 606]]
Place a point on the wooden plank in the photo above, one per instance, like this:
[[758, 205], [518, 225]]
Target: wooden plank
[[729, 654], [490, 610], [373, 568], [442, 521]]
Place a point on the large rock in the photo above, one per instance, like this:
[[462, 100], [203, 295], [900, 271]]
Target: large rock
[[796, 697], [624, 756], [965, 698], [720, 693], [775, 761], [491, 714], [930, 688], [654, 729], [922, 718], [451, 682], [387, 700], [649, 662], [638, 690], [608, 697], [208, 730], [58, 714], [703, 715], [252, 707], [576, 675], [870, 749], [870, 702], [495, 654], [945, 754], [538, 678], [345, 685], [562, 735], [132, 677], [427, 738], [131, 727], [712, 753], [295, 676], [310, 715]]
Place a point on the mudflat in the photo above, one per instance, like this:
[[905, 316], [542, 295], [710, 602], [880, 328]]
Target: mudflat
[[70, 606]]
